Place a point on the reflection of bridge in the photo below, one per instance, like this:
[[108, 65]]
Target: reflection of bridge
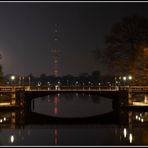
[[26, 116], [19, 118], [20, 125]]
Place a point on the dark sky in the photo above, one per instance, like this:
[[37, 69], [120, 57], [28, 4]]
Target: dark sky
[[27, 30]]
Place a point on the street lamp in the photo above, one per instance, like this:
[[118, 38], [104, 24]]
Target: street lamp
[[67, 82], [124, 79], [23, 80], [48, 83], [130, 78], [76, 83], [12, 78], [29, 78], [115, 80], [19, 81], [59, 84], [127, 78]]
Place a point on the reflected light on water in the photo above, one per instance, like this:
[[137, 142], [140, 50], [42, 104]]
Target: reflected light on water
[[55, 136], [141, 117], [124, 132], [130, 138], [55, 110], [11, 138], [56, 98], [128, 135]]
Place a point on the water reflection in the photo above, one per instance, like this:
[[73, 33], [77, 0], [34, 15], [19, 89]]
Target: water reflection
[[20, 132], [72, 105], [140, 99], [56, 99], [125, 132], [12, 138], [36, 126], [126, 136]]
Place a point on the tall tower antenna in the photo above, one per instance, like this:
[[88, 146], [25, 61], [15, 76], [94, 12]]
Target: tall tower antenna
[[55, 51]]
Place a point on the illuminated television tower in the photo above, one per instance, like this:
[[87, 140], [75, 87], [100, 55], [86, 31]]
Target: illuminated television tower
[[55, 51]]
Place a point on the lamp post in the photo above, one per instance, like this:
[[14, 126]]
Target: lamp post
[[67, 82], [12, 78], [29, 80], [130, 79], [59, 84], [76, 84], [124, 79], [115, 80], [23, 80], [19, 81]]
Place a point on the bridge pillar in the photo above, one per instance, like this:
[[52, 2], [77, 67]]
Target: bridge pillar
[[13, 119], [13, 98], [20, 98], [123, 98], [130, 98], [130, 119]]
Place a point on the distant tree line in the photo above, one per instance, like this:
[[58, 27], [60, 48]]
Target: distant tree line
[[83, 79]]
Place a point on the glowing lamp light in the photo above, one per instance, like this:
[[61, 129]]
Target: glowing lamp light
[[124, 78], [142, 120], [12, 77], [130, 77]]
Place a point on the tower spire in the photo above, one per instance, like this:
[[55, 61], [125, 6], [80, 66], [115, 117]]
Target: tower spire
[[55, 51]]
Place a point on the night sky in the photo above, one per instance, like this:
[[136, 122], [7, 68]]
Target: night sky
[[27, 30]]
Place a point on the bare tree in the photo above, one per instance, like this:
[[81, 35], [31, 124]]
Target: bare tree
[[124, 51]]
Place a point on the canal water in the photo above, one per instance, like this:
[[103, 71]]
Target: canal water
[[73, 120]]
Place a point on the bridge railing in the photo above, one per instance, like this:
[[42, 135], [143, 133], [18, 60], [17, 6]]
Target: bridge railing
[[139, 88], [11, 88], [85, 88], [63, 88], [134, 88]]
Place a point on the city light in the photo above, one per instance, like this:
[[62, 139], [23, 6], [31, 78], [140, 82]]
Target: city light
[[12, 77], [124, 78], [130, 77]]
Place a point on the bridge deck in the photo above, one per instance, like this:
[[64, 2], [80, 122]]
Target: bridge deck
[[106, 91], [86, 88]]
